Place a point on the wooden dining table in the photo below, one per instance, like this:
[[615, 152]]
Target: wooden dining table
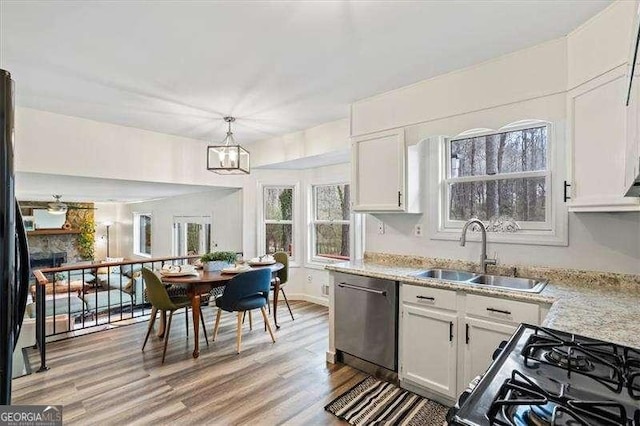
[[203, 284]]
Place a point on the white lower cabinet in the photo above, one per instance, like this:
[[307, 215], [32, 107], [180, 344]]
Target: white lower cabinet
[[429, 347], [447, 338], [482, 337]]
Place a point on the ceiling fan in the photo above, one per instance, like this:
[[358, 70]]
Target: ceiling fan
[[59, 208]]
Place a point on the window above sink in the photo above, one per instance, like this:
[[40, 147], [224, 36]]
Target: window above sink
[[507, 176]]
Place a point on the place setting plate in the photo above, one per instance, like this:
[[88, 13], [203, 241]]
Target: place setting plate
[[235, 269], [177, 271], [264, 262]]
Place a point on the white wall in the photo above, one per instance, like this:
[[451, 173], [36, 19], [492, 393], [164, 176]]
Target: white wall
[[530, 84], [323, 139], [223, 205], [108, 212], [60, 144]]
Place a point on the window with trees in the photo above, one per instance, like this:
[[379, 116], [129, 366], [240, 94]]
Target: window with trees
[[278, 218], [142, 234], [330, 224], [499, 173]]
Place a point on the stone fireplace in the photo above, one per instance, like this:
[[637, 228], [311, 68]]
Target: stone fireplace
[[50, 246]]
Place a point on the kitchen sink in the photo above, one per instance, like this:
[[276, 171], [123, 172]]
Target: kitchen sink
[[463, 277], [446, 274], [513, 283]]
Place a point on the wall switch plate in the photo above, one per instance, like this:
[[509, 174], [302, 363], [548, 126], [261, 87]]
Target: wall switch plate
[[380, 227], [325, 289], [417, 230]]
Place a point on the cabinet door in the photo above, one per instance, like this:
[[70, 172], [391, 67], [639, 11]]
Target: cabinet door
[[632, 158], [379, 172], [599, 146], [483, 339], [428, 349]]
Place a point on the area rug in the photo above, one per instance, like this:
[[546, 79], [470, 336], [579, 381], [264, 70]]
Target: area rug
[[374, 402]]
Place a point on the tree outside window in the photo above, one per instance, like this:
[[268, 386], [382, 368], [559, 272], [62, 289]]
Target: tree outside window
[[278, 218], [331, 222], [500, 174]]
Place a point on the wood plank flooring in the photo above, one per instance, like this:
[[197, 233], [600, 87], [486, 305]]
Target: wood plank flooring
[[104, 378]]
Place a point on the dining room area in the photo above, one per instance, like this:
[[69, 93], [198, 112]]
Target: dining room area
[[215, 342], [210, 298]]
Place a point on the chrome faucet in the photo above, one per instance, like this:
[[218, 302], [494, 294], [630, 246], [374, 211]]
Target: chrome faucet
[[483, 256]]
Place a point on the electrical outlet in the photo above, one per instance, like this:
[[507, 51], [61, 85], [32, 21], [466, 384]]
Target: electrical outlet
[[417, 230], [380, 227], [309, 278]]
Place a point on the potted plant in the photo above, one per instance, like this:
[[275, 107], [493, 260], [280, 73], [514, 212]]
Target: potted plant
[[218, 260]]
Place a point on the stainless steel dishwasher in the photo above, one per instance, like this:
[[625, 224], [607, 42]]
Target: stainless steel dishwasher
[[366, 319]]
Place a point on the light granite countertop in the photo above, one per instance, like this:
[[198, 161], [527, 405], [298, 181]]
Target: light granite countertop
[[604, 312]]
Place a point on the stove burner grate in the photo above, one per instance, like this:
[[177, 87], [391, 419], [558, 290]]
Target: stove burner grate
[[566, 359], [521, 402], [632, 366], [600, 361]]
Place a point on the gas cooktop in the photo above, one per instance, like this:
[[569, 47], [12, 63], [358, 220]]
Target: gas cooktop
[[548, 377]]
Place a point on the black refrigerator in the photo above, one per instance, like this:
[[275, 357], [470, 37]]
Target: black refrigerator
[[14, 252]]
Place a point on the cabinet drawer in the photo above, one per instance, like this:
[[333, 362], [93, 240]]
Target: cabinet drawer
[[502, 309], [427, 296]]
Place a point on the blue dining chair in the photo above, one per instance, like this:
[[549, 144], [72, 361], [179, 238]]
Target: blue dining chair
[[243, 293]]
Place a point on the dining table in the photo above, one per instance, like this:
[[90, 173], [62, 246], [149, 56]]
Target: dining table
[[203, 283]]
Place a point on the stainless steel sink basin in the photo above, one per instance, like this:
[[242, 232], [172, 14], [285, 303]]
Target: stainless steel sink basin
[[513, 283], [446, 274], [463, 277]]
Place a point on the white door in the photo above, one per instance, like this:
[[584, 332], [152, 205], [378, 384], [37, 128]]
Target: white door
[[484, 337], [428, 349], [379, 172], [191, 235]]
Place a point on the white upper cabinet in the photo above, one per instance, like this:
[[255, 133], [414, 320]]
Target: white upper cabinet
[[598, 112], [632, 159], [386, 174], [598, 53]]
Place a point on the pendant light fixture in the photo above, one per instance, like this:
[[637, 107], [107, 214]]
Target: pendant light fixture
[[228, 158]]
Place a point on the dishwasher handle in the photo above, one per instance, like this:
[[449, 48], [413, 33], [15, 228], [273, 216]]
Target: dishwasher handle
[[368, 290]]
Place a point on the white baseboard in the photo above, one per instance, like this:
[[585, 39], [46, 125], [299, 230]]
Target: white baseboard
[[308, 298]]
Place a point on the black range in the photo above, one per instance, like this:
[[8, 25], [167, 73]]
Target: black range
[[549, 377]]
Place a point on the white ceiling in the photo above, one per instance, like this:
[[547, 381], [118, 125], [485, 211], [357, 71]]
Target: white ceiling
[[41, 187], [178, 67]]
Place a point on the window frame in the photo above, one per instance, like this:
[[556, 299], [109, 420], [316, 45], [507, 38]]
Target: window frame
[[557, 165], [136, 233], [313, 220], [446, 181], [263, 222]]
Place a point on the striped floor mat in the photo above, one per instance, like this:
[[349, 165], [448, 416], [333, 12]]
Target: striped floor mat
[[374, 402]]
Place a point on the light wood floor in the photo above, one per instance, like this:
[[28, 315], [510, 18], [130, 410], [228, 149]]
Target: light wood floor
[[104, 378]]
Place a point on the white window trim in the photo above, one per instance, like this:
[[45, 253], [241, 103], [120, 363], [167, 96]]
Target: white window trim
[[261, 234], [554, 231], [136, 233], [357, 227], [312, 258]]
